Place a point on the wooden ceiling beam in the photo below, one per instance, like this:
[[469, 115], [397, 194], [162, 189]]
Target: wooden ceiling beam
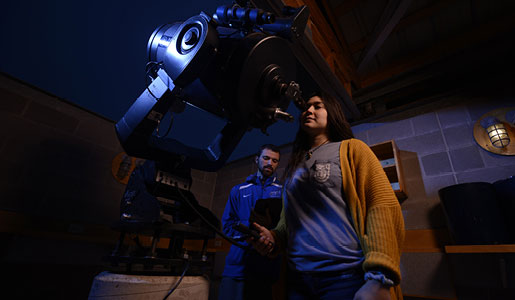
[[442, 49], [408, 20], [391, 16], [326, 40]]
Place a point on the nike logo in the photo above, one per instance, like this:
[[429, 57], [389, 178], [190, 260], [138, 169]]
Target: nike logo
[[246, 195]]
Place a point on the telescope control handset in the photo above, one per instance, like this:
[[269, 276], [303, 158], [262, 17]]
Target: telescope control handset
[[246, 231]]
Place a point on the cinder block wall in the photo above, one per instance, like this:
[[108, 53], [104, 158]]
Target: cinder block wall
[[57, 191], [203, 187], [57, 158], [58, 197], [437, 149]]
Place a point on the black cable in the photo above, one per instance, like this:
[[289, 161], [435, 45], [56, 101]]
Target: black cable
[[229, 239], [180, 279]]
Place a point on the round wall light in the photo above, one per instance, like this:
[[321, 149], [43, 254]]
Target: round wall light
[[495, 131]]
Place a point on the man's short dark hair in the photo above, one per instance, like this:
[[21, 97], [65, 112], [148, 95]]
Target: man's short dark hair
[[271, 147]]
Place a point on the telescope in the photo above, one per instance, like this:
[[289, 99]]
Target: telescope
[[236, 64]]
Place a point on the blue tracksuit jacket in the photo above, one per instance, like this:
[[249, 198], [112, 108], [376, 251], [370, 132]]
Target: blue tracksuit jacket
[[241, 263]]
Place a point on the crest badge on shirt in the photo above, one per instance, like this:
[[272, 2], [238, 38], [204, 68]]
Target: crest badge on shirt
[[322, 172], [275, 194]]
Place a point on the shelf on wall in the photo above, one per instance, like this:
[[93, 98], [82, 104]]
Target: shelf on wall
[[504, 248], [417, 297], [388, 154]]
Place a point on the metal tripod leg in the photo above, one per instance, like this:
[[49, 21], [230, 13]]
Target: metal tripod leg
[[204, 250], [155, 240]]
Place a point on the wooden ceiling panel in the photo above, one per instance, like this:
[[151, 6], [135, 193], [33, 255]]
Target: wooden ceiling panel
[[345, 7], [453, 19], [326, 40], [419, 36], [344, 47], [441, 50], [364, 34], [389, 50], [423, 12], [351, 30], [416, 16], [387, 21], [417, 5], [484, 11]]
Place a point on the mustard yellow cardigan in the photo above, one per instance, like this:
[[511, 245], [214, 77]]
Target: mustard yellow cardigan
[[374, 208]]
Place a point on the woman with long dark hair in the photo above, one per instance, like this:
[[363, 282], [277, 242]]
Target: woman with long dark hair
[[341, 223]]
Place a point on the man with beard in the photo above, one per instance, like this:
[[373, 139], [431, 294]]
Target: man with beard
[[247, 274]]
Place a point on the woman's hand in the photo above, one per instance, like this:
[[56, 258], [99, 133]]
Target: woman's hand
[[373, 290], [266, 242]]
